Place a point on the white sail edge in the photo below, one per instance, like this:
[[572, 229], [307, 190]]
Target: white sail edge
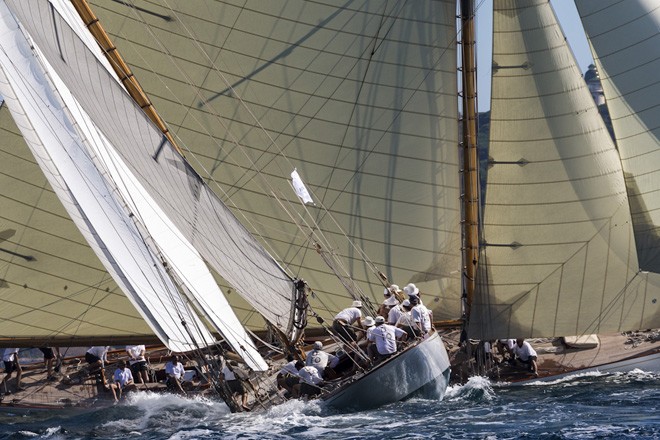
[[79, 185], [200, 215], [180, 255]]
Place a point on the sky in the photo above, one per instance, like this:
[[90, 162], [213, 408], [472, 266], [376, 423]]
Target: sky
[[570, 24]]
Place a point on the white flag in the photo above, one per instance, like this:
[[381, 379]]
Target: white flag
[[299, 187]]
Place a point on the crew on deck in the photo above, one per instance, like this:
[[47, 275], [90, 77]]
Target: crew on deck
[[390, 300], [383, 340], [345, 321], [324, 362], [10, 358], [525, 355]]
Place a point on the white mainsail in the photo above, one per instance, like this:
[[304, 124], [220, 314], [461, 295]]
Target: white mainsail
[[360, 97], [625, 39], [110, 231], [559, 252], [179, 191]]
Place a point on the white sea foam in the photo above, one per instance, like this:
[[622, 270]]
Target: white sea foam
[[478, 387]]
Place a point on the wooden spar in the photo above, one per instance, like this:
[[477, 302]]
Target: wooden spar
[[121, 68], [470, 153]]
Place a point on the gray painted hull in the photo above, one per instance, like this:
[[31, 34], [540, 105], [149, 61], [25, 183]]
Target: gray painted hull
[[423, 368]]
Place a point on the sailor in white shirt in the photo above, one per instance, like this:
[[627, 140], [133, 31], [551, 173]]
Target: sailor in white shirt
[[345, 321], [123, 380], [96, 357], [321, 360], [288, 377], [420, 314], [310, 381], [383, 339], [10, 358], [526, 355], [175, 371]]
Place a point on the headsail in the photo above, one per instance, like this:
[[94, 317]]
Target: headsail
[[559, 253], [169, 179], [360, 96], [109, 230], [625, 39]]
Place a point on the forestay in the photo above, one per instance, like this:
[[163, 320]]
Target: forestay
[[180, 192], [625, 38], [559, 253]]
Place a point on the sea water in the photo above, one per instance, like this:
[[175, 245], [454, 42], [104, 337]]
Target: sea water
[[617, 406]]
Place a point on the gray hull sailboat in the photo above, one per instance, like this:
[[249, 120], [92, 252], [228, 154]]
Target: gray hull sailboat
[[160, 232]]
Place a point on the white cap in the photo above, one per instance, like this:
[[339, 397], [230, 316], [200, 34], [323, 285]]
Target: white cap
[[391, 301], [406, 303], [368, 321], [380, 320], [395, 288], [318, 345], [411, 290], [357, 303]]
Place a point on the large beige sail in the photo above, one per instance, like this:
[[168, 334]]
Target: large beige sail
[[53, 289], [625, 39], [359, 97], [559, 254]]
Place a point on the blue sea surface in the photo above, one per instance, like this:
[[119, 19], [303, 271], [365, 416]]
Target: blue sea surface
[[594, 406]]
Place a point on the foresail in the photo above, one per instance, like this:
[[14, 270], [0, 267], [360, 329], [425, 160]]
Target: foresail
[[55, 144], [180, 192], [183, 260], [558, 255], [625, 39], [360, 97]]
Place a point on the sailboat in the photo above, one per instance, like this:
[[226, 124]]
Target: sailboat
[[361, 99], [159, 230]]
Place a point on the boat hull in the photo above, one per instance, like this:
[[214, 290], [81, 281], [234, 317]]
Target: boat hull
[[649, 363], [423, 369]]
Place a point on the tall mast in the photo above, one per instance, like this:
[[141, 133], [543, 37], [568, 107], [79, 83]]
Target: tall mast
[[470, 155]]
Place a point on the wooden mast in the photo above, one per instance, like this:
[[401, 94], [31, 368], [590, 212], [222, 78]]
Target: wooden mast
[[121, 68], [470, 154]]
